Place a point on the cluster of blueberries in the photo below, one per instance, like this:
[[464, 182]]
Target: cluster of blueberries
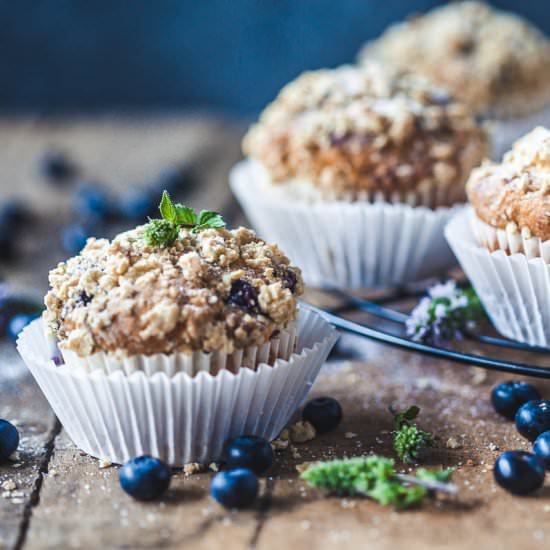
[[520, 472], [246, 457], [92, 205]]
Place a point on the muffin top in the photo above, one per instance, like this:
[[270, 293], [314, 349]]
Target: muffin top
[[515, 194], [491, 59], [350, 130], [209, 290]]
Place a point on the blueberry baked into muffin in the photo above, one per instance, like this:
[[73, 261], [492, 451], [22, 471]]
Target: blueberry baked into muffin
[[367, 133], [495, 61], [511, 199], [169, 287]]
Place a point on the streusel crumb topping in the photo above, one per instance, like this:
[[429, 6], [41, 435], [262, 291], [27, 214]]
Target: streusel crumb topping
[[216, 290], [515, 194], [490, 59], [366, 129]]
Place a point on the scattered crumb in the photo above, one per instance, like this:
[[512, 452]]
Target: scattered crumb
[[104, 463], [294, 452], [479, 375], [192, 468], [346, 503], [492, 447], [213, 466], [350, 435], [305, 524], [470, 462], [301, 432], [9, 485], [452, 443]]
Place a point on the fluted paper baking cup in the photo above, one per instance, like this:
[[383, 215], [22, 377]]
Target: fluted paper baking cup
[[505, 132], [348, 244], [279, 347], [179, 418], [511, 240], [514, 289]]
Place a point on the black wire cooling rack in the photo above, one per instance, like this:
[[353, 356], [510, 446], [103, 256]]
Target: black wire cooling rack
[[349, 304]]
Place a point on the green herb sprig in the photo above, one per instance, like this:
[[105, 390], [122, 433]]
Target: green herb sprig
[[163, 232], [409, 441], [375, 477]]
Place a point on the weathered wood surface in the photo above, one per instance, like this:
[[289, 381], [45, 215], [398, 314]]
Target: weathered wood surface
[[77, 504]]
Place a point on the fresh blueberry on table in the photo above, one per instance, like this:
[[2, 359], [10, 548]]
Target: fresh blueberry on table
[[519, 472], [14, 213], [56, 166], [17, 323], [323, 413], [74, 237], [91, 202], [243, 295], [509, 396], [533, 418], [145, 478], [9, 439], [136, 204], [236, 488], [249, 451], [541, 448]]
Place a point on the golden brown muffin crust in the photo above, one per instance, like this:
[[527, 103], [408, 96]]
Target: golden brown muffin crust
[[516, 191], [216, 290], [490, 59], [354, 129]]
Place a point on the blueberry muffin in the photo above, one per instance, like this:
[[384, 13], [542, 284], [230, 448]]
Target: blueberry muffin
[[213, 290], [495, 61], [366, 134], [511, 199]]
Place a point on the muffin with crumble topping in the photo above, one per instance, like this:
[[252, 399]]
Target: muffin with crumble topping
[[365, 145], [503, 240], [493, 60], [214, 291], [175, 337]]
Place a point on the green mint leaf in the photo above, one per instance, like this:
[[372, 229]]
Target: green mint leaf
[[411, 443], [404, 417], [167, 208], [442, 476], [160, 233], [373, 477], [209, 220], [185, 215]]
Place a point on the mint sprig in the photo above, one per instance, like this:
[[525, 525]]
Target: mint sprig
[[375, 477], [163, 232], [409, 441]]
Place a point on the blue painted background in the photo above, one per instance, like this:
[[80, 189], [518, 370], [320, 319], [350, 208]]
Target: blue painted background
[[232, 55]]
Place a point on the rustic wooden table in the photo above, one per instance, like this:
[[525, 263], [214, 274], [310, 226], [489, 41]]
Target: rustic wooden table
[[54, 496]]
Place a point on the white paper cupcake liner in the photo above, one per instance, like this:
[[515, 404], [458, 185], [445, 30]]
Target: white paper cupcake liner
[[179, 419], [280, 347], [505, 132], [348, 244], [514, 289], [510, 240]]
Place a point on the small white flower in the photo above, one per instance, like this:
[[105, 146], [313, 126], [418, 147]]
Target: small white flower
[[443, 290]]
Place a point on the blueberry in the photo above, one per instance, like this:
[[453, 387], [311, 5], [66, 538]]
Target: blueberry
[[289, 279], [144, 477], [9, 439], [74, 237], [236, 488], [541, 448], [323, 413], [509, 396], [249, 451], [14, 213], [519, 472], [243, 295], [533, 418], [17, 323], [91, 202], [137, 204], [56, 166]]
